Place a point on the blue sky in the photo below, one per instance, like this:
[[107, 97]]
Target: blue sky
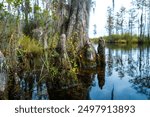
[[99, 17]]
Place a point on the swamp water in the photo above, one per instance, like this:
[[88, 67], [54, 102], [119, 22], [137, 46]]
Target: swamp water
[[126, 76]]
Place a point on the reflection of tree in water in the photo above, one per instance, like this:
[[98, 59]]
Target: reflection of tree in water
[[128, 63], [76, 92], [116, 62], [142, 85], [109, 63], [136, 65], [25, 86], [142, 81], [132, 65], [101, 76], [100, 69], [101, 63], [120, 67]]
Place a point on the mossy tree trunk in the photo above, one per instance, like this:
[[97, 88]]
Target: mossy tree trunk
[[74, 19]]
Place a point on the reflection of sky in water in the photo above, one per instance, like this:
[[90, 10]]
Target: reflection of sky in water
[[3, 81], [41, 93], [120, 87]]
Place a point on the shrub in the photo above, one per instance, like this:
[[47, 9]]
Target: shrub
[[121, 41], [29, 45]]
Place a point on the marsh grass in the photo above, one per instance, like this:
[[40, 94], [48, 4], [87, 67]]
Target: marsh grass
[[116, 38], [29, 45]]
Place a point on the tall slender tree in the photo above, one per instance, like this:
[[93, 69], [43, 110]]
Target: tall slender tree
[[113, 4], [110, 22]]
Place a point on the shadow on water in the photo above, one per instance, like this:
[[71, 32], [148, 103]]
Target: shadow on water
[[125, 76]]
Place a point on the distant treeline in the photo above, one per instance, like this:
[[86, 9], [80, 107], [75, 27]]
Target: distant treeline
[[124, 38]]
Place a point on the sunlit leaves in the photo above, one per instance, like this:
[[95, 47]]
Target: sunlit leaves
[[16, 3], [10, 1]]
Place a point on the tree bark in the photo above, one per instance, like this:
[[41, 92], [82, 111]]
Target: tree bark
[[74, 19], [61, 49]]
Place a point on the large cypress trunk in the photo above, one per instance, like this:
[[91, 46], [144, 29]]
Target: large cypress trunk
[[74, 19]]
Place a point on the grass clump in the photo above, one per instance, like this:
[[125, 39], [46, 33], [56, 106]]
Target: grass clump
[[29, 45]]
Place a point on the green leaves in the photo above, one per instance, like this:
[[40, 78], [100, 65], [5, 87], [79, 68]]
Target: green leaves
[[1, 6], [16, 3], [9, 1], [36, 8]]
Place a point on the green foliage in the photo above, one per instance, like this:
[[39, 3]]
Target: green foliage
[[94, 40], [121, 41], [29, 45], [72, 74], [16, 3], [122, 46], [53, 72], [36, 8], [64, 75], [1, 6], [9, 1], [30, 50], [117, 38], [53, 40], [72, 50], [125, 38]]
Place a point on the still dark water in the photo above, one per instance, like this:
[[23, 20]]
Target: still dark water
[[127, 74]]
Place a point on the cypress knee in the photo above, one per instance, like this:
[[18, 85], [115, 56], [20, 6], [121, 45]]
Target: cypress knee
[[62, 51], [101, 52]]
